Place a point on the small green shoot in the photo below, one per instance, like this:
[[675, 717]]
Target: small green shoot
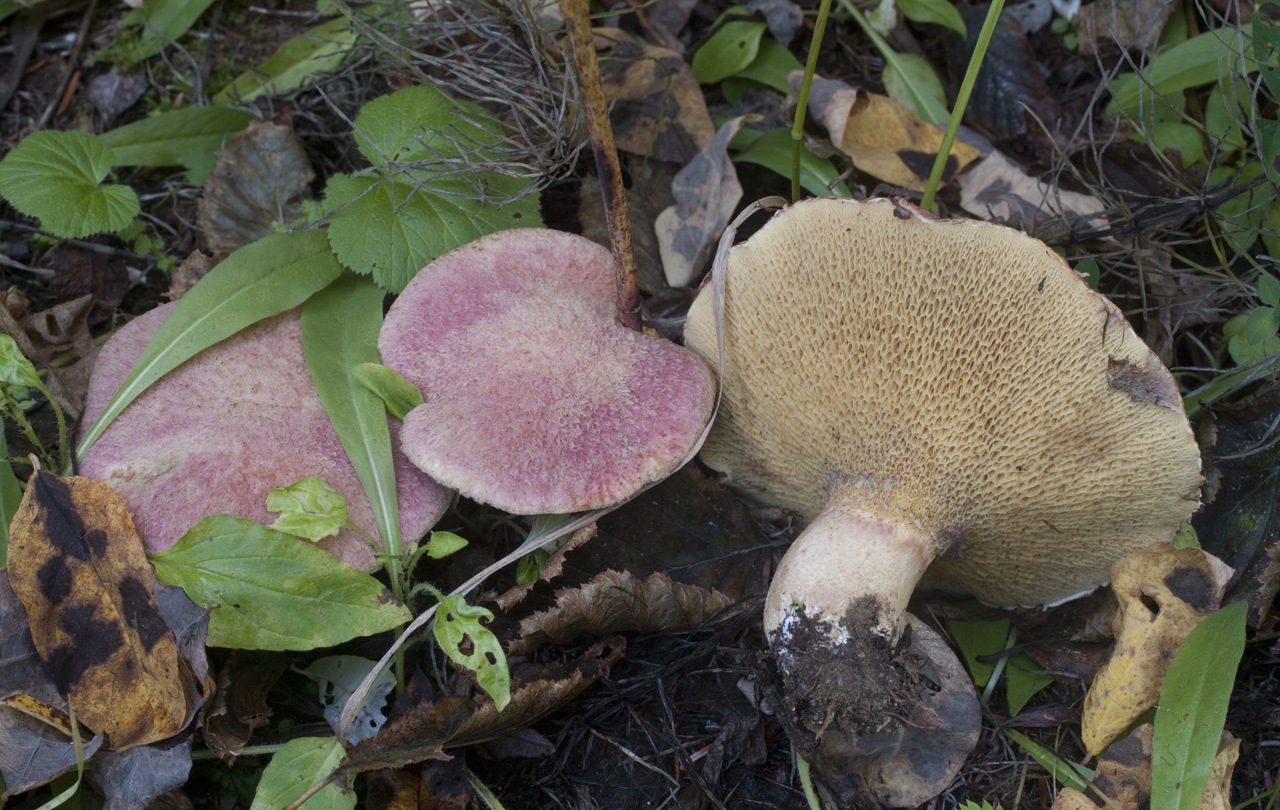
[[444, 544], [17, 374], [399, 395], [1252, 336], [1068, 773], [309, 508], [57, 177]]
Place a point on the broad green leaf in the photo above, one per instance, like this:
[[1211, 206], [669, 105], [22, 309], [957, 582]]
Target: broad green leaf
[[1261, 323], [189, 137], [1266, 50], [772, 65], [390, 228], [10, 497], [1068, 773], [1268, 289], [162, 22], [1185, 139], [297, 766], [15, 368], [773, 151], [1186, 537], [338, 677], [442, 544], [1269, 148], [340, 332], [1223, 114], [1241, 216], [1193, 708], [1023, 679], [939, 12], [56, 177], [910, 80], [273, 591], [729, 51], [421, 123], [308, 508], [977, 639], [1197, 61], [259, 280], [462, 637], [318, 51], [398, 394]]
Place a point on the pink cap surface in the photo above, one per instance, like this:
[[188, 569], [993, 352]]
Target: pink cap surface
[[537, 399], [218, 432]]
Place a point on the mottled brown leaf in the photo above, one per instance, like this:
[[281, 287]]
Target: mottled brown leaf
[[239, 706], [77, 565]]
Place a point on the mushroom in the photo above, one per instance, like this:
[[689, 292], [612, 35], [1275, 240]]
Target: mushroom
[[217, 433], [537, 399], [940, 399]]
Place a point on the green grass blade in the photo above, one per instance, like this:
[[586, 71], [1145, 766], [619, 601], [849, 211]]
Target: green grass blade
[[1068, 773], [265, 278], [1193, 708]]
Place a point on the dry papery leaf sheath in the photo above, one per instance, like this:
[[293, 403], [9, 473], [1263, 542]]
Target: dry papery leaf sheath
[[940, 399]]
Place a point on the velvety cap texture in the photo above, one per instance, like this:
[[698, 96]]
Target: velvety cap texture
[[955, 376], [216, 433], [537, 398]]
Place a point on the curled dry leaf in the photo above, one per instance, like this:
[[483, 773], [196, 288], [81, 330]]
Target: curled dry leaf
[[77, 565], [617, 602], [240, 705], [550, 569], [882, 137], [1163, 592]]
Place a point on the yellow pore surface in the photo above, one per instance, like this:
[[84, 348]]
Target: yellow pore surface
[[955, 376]]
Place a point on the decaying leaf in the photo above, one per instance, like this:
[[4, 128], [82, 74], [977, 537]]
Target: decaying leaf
[[261, 177], [882, 137], [647, 196], [77, 565], [616, 602], [139, 776], [1163, 592], [240, 704], [33, 752], [550, 570], [707, 191], [41, 336], [656, 106], [1130, 23], [997, 190], [425, 730]]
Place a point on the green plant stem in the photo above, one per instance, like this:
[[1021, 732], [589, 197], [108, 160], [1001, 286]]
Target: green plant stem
[[962, 101], [806, 782], [802, 103]]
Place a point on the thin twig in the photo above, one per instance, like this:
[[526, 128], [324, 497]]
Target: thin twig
[[81, 37]]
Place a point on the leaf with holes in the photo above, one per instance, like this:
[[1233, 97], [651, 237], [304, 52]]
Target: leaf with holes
[[466, 641]]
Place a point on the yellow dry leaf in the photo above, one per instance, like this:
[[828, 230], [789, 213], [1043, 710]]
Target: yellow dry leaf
[[78, 566], [1072, 799], [1217, 793], [1163, 592]]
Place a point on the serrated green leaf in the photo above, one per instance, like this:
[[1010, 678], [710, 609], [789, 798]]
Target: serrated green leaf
[[1197, 61], [772, 65], [1068, 773], [340, 327], [1268, 289], [297, 766], [773, 151], [1193, 709], [259, 280], [421, 123], [56, 176], [462, 637], [188, 137], [910, 80], [318, 51], [273, 591], [391, 229], [163, 22], [308, 508], [938, 12], [15, 368], [398, 394], [728, 51], [977, 639], [442, 544], [1023, 679]]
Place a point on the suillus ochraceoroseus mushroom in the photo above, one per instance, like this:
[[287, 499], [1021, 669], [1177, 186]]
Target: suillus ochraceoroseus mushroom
[[217, 433], [940, 399], [537, 399]]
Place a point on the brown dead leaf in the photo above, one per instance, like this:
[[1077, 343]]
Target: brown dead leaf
[[192, 269], [997, 190], [433, 785], [240, 705], [550, 570], [617, 602], [43, 336], [706, 191], [1163, 592], [656, 106], [77, 565], [261, 176], [882, 137], [79, 271], [1130, 23]]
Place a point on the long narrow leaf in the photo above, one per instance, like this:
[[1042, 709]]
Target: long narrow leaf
[[340, 327], [265, 278], [1193, 708], [1068, 773]]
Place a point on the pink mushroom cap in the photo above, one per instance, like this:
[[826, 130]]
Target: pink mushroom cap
[[537, 398], [216, 433]]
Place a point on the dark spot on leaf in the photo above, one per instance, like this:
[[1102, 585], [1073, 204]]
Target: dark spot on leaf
[[96, 540], [921, 163], [55, 579], [141, 612], [63, 524], [1192, 586], [92, 643]]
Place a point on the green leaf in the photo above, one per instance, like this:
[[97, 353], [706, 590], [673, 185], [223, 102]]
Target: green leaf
[[1240, 217], [317, 51], [1185, 139], [273, 591], [398, 394], [308, 508], [980, 638], [1223, 114], [1266, 50], [728, 51], [10, 497], [462, 637], [56, 176], [259, 280], [910, 80], [15, 368], [773, 151], [340, 332], [1186, 536], [391, 229], [1068, 773], [1193, 709], [422, 123], [1268, 289], [442, 544], [163, 22], [297, 766], [1023, 679], [938, 12], [1195, 62], [189, 137], [772, 65], [1261, 323]]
